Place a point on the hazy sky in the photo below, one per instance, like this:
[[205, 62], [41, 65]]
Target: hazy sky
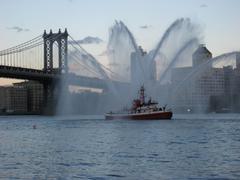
[[25, 19]]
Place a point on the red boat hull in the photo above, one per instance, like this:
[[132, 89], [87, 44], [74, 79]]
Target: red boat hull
[[141, 116]]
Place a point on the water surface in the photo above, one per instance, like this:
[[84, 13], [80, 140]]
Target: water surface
[[87, 147]]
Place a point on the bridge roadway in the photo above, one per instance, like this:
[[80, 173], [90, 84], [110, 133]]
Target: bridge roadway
[[48, 77]]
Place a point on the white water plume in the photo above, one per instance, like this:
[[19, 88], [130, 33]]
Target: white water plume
[[176, 38], [121, 44], [182, 58], [174, 50]]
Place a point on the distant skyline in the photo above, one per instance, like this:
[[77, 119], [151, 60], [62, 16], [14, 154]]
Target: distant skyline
[[23, 20]]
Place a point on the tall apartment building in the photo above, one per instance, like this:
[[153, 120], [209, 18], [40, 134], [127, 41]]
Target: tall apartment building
[[204, 85]]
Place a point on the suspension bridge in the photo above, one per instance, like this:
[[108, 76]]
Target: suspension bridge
[[49, 58]]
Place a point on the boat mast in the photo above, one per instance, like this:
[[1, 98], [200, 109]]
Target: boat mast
[[142, 95]]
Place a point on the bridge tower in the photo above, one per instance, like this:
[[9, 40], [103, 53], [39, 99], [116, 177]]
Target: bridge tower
[[62, 39], [53, 88]]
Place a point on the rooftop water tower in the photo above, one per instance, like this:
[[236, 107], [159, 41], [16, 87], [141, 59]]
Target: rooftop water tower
[[201, 55]]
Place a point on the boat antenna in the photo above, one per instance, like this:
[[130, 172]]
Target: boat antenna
[[142, 95]]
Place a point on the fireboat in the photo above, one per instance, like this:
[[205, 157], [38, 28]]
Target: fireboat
[[142, 110]]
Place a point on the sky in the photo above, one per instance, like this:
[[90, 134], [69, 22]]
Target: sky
[[22, 20]]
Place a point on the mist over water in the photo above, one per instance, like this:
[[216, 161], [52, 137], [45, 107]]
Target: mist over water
[[129, 63]]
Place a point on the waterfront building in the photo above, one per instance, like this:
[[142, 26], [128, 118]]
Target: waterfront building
[[205, 88], [2, 99], [34, 95], [13, 100]]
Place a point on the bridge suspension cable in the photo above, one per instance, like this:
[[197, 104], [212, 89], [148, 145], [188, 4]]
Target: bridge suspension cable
[[26, 55], [78, 60], [86, 67], [100, 67], [87, 59], [38, 38]]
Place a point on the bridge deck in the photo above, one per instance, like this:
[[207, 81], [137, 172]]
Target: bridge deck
[[44, 76]]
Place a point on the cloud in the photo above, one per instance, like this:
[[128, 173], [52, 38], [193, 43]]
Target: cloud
[[18, 29], [144, 27], [203, 6], [89, 40]]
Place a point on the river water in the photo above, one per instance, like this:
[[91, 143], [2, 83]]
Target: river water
[[89, 147]]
